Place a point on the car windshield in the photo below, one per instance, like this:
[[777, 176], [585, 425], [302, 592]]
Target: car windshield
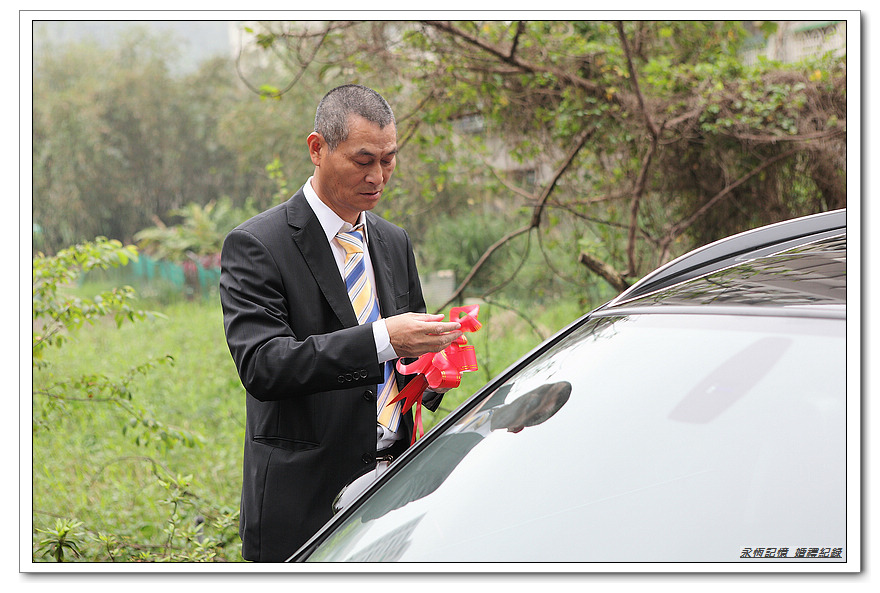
[[643, 438]]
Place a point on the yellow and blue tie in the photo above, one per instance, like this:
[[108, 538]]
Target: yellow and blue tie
[[366, 308]]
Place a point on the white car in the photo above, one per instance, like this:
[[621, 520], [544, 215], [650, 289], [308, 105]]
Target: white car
[[698, 417]]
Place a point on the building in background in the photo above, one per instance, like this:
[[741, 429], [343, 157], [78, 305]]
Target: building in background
[[796, 40]]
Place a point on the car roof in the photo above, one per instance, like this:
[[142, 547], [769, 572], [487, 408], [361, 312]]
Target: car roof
[[736, 248], [796, 268]]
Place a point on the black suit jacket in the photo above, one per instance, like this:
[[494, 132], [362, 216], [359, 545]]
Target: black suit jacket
[[310, 371]]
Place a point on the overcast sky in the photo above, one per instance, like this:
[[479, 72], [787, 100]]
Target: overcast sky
[[197, 39]]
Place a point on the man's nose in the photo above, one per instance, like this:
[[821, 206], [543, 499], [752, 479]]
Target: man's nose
[[375, 175]]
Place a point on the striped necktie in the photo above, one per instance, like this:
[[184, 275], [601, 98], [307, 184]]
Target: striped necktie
[[366, 308]]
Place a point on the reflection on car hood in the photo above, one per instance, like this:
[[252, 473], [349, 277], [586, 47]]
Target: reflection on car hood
[[809, 275]]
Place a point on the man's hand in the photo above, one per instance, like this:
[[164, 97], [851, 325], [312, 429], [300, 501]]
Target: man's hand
[[414, 334]]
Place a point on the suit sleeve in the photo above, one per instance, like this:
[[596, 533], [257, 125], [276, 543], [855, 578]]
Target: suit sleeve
[[272, 361]]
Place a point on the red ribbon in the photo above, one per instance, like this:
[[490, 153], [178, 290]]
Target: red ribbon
[[441, 370]]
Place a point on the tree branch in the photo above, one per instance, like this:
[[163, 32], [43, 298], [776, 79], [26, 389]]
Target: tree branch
[[296, 78], [483, 259], [520, 27], [641, 182], [810, 137], [612, 276], [580, 141], [512, 188], [652, 127], [522, 316], [677, 229], [508, 57], [509, 279]]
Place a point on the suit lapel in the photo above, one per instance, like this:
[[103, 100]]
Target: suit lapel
[[380, 256], [312, 243]]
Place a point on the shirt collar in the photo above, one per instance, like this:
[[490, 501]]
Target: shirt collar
[[331, 223]]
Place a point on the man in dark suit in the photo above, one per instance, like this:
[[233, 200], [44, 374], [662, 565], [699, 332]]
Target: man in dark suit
[[311, 370]]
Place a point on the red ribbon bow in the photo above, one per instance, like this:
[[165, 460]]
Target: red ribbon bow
[[440, 370]]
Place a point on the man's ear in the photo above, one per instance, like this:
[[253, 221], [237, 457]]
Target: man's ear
[[317, 147]]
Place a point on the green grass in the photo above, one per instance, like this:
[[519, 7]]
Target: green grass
[[86, 462], [88, 466]]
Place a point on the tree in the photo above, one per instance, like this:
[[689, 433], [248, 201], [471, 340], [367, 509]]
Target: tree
[[122, 143], [118, 140], [639, 140]]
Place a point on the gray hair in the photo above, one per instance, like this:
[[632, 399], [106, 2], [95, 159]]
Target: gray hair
[[334, 110]]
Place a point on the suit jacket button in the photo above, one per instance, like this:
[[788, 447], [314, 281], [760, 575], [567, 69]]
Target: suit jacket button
[[348, 377], [341, 378], [367, 458], [369, 395], [364, 374]]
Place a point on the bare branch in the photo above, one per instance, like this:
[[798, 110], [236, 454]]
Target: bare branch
[[773, 139], [521, 315], [652, 127], [331, 26], [612, 276], [547, 260], [680, 227], [410, 132], [610, 223], [579, 143], [509, 57], [590, 201], [513, 189], [520, 27], [515, 273], [483, 259], [638, 192], [641, 182], [303, 67], [418, 108]]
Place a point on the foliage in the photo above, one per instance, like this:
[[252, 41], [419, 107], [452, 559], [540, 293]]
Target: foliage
[[200, 232], [119, 141], [130, 501], [64, 405], [195, 545], [646, 138], [524, 147], [654, 136], [57, 311], [59, 539]]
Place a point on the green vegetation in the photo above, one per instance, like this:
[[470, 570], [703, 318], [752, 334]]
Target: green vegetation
[[130, 463], [548, 165], [145, 465], [637, 140]]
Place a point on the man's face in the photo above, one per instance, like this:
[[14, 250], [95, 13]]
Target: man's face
[[351, 178]]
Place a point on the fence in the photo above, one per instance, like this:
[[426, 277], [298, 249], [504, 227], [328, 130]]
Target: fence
[[197, 277]]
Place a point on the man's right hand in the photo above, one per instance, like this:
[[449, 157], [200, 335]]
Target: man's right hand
[[414, 334]]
